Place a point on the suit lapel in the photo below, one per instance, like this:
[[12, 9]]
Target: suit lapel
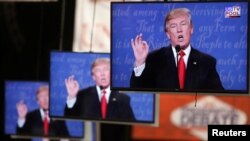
[[192, 68], [96, 102], [92, 104], [171, 61], [38, 114], [169, 71], [111, 104], [37, 120]]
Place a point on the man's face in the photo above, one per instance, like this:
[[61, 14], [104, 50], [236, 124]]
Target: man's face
[[43, 99], [179, 31], [101, 74]]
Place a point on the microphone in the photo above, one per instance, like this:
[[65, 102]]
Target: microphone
[[177, 48], [102, 87]]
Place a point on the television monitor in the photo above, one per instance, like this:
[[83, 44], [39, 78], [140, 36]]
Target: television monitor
[[91, 133], [125, 108], [27, 122], [217, 29]]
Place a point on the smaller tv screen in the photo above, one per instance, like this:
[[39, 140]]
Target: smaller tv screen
[[26, 104], [184, 46], [80, 89]]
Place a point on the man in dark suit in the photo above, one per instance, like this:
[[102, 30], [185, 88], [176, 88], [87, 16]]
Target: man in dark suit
[[33, 123], [88, 103], [178, 66]]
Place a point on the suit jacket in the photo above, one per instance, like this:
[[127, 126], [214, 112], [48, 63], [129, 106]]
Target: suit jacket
[[34, 126], [161, 72], [88, 106]]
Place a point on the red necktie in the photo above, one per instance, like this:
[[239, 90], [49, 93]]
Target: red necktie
[[181, 69], [46, 123], [103, 104]]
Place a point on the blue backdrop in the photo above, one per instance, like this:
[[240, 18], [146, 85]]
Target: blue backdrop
[[64, 64], [25, 90], [224, 38]]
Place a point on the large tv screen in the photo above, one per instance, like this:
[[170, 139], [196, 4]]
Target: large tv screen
[[77, 82], [149, 38], [26, 103]]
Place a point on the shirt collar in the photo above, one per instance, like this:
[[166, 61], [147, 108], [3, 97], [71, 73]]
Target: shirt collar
[[108, 91], [186, 51], [42, 113]]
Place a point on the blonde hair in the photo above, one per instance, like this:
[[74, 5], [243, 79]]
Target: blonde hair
[[177, 13], [99, 61], [40, 89]]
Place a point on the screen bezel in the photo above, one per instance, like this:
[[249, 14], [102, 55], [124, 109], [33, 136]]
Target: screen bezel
[[31, 136], [155, 99], [173, 91]]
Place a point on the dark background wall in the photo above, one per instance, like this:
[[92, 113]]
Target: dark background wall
[[28, 32]]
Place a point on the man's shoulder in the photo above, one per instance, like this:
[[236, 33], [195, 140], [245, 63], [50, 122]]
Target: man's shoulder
[[33, 113], [121, 95], [87, 91], [202, 55], [160, 52]]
